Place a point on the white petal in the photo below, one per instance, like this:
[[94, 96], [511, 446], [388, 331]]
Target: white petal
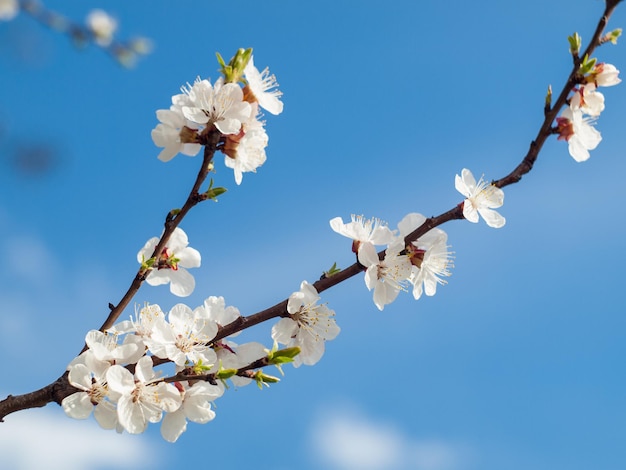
[[493, 218], [182, 283], [284, 330], [174, 424], [77, 405]]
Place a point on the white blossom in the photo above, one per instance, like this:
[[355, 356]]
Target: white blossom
[[578, 132], [245, 152], [139, 400], [196, 407], [176, 256], [221, 105], [482, 198], [363, 232], [604, 74], [588, 100], [105, 346], [387, 277], [168, 133], [429, 256], [89, 376], [262, 86], [308, 326], [185, 337]]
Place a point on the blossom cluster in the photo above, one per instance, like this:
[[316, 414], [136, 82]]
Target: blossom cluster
[[420, 264], [575, 124], [117, 381], [227, 107], [123, 400]]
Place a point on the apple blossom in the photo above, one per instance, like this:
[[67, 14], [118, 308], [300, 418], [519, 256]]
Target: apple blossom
[[578, 132], [482, 198], [176, 256], [308, 326]]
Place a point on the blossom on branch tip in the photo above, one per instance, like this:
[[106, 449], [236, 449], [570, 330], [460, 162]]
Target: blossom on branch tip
[[221, 105], [482, 198], [260, 88], [176, 256], [308, 326], [578, 132]]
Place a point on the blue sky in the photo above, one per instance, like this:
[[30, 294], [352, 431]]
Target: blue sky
[[515, 364]]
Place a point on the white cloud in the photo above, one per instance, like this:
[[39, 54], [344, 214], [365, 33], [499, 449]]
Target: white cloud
[[346, 439], [29, 258], [43, 439]]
